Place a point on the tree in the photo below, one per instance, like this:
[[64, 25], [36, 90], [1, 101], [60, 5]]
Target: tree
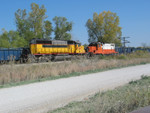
[[47, 29], [21, 21], [4, 40], [104, 28], [33, 24], [36, 19], [16, 40], [62, 28], [11, 39]]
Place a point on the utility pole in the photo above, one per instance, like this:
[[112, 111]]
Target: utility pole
[[124, 43]]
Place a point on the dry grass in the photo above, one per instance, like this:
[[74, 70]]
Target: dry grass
[[13, 73], [120, 100]]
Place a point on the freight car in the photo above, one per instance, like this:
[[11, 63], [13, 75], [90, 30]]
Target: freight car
[[128, 50], [122, 50], [12, 54]]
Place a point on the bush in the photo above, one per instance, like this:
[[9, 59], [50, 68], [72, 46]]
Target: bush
[[122, 56], [139, 54]]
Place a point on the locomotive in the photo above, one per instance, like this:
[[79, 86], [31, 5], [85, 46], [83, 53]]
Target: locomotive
[[44, 50], [97, 48]]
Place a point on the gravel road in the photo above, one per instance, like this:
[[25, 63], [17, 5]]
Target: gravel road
[[44, 96]]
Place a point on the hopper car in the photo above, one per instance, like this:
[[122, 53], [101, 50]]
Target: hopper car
[[11, 54]]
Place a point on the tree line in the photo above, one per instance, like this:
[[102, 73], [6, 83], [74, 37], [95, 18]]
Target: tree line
[[104, 27]]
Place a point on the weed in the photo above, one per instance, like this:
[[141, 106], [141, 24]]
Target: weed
[[13, 74], [133, 82], [144, 77], [120, 100]]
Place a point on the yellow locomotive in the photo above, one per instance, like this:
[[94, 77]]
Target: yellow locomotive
[[48, 49]]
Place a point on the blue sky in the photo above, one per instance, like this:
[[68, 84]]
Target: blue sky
[[134, 15]]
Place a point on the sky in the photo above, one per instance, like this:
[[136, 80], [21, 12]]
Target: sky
[[134, 15]]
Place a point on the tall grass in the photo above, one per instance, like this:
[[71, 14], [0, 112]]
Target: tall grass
[[17, 73], [120, 100]]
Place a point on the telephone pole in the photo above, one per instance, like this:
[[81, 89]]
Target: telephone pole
[[124, 39]]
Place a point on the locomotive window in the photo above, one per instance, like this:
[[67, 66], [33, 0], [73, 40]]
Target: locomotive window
[[70, 42], [93, 44], [44, 42], [55, 46], [59, 42]]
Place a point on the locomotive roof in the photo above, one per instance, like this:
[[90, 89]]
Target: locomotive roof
[[48, 41], [95, 43]]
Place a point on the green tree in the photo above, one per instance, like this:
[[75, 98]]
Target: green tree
[[21, 21], [62, 28], [11, 39], [47, 29], [16, 40], [104, 28], [33, 24], [4, 40], [36, 19]]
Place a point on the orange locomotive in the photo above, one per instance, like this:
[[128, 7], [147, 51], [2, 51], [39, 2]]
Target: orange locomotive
[[97, 48]]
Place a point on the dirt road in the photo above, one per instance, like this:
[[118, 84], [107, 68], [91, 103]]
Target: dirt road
[[44, 96]]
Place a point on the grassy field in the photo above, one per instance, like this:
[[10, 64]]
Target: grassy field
[[123, 99], [11, 75]]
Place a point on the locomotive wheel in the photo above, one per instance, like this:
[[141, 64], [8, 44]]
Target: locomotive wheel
[[31, 58], [89, 55], [2, 62], [43, 59]]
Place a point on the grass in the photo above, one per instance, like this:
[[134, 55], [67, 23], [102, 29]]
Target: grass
[[12, 75], [123, 99]]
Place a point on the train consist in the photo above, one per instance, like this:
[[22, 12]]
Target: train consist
[[46, 50]]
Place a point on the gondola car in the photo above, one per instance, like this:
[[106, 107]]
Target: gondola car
[[122, 50], [10, 54]]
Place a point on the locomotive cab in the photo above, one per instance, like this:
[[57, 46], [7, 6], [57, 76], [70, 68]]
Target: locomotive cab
[[79, 48]]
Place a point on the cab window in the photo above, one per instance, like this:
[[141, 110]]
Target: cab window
[[79, 44]]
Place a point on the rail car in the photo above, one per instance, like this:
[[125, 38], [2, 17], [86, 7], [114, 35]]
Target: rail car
[[122, 50], [11, 54], [128, 50]]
